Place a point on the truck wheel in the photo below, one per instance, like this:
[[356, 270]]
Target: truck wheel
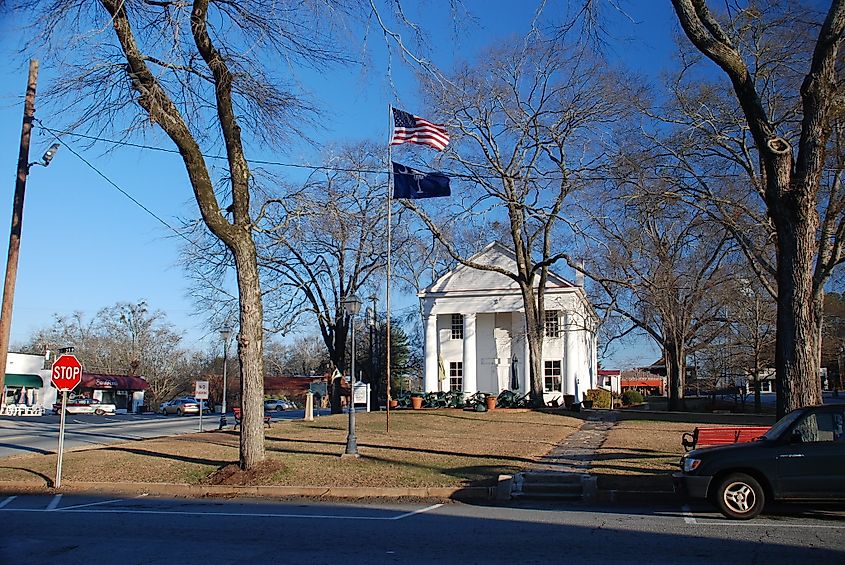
[[99, 411], [739, 496]]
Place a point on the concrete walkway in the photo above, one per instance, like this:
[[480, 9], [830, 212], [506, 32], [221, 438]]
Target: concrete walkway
[[576, 453]]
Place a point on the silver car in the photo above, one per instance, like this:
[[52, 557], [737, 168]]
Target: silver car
[[180, 407]]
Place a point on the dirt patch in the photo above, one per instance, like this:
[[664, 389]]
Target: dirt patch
[[232, 474]]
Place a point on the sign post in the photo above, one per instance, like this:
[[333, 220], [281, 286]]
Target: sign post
[[66, 375], [201, 393]]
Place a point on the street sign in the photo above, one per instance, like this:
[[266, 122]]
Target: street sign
[[201, 390], [67, 372], [66, 375]]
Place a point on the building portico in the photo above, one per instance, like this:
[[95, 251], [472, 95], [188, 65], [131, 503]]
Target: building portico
[[475, 337]]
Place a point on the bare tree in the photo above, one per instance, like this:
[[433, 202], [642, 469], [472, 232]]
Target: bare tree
[[527, 123], [194, 70], [662, 266], [324, 241], [124, 339], [789, 118], [306, 355]]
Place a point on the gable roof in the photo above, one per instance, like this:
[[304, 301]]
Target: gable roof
[[463, 277]]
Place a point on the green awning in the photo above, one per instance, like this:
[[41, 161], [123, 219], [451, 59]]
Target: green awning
[[24, 380]]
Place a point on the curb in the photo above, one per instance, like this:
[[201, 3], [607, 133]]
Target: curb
[[638, 496], [499, 493], [186, 490]]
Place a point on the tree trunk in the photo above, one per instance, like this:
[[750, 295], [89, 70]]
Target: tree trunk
[[673, 356], [250, 356], [534, 334], [798, 316], [337, 350]]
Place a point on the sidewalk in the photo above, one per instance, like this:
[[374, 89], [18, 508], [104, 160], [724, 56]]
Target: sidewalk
[[576, 454]]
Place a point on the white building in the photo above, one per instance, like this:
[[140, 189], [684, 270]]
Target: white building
[[27, 382], [475, 338]]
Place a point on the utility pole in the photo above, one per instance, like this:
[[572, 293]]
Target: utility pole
[[17, 221]]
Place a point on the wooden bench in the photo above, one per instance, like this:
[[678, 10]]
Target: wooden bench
[[237, 412], [725, 435]]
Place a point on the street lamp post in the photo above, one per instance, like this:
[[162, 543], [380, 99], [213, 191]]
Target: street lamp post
[[224, 333], [352, 305]]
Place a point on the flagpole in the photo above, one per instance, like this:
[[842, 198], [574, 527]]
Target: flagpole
[[389, 254]]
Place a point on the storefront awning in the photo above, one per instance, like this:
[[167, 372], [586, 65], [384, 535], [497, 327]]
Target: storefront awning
[[34, 381], [117, 382]]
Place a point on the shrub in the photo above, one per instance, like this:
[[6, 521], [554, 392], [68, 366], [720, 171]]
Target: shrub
[[600, 397], [631, 396]]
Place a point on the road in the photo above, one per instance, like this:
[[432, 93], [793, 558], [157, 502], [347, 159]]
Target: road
[[40, 434], [144, 530]]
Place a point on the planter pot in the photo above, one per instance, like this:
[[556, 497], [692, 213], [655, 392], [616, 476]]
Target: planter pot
[[416, 402], [394, 404], [491, 402], [588, 404], [568, 400]]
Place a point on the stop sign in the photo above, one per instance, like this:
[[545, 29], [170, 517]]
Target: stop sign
[[67, 372]]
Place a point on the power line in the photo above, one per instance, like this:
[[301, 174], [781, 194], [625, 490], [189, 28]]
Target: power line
[[123, 192], [57, 133]]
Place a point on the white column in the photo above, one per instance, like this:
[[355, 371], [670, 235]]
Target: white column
[[431, 348], [470, 383], [571, 355]]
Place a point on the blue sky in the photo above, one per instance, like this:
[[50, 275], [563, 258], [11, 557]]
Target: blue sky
[[86, 246]]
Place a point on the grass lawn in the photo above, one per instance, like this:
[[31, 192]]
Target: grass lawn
[[428, 448], [640, 455]]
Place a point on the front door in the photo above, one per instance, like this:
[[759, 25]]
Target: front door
[[811, 464]]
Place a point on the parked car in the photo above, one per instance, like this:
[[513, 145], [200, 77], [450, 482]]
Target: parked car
[[80, 405], [180, 407], [279, 405], [800, 458]]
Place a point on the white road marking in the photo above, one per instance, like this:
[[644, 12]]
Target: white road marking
[[80, 510], [688, 516], [54, 503], [7, 501], [75, 506], [420, 511]]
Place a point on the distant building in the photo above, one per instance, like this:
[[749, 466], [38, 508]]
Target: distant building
[[28, 382], [475, 337]]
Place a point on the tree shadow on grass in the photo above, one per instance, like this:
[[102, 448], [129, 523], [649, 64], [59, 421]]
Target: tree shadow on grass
[[47, 480], [171, 456], [487, 456]]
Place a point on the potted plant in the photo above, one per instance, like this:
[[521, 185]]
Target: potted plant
[[490, 399], [417, 400]]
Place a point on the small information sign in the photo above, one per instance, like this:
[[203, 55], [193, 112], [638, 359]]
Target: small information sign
[[201, 390]]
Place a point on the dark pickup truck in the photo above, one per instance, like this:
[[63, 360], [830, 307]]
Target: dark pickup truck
[[800, 458]]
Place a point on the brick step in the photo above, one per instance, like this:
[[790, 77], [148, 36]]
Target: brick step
[[553, 488], [548, 486], [551, 478], [547, 496]]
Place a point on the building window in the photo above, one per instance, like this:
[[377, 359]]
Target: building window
[[456, 375], [551, 376], [552, 325], [457, 326]]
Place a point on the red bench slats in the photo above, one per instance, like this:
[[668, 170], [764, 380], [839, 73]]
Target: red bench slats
[[722, 435]]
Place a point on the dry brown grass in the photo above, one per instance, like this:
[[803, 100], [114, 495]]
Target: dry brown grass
[[424, 448], [640, 455]]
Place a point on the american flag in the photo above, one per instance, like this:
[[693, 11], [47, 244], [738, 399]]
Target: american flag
[[408, 128]]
